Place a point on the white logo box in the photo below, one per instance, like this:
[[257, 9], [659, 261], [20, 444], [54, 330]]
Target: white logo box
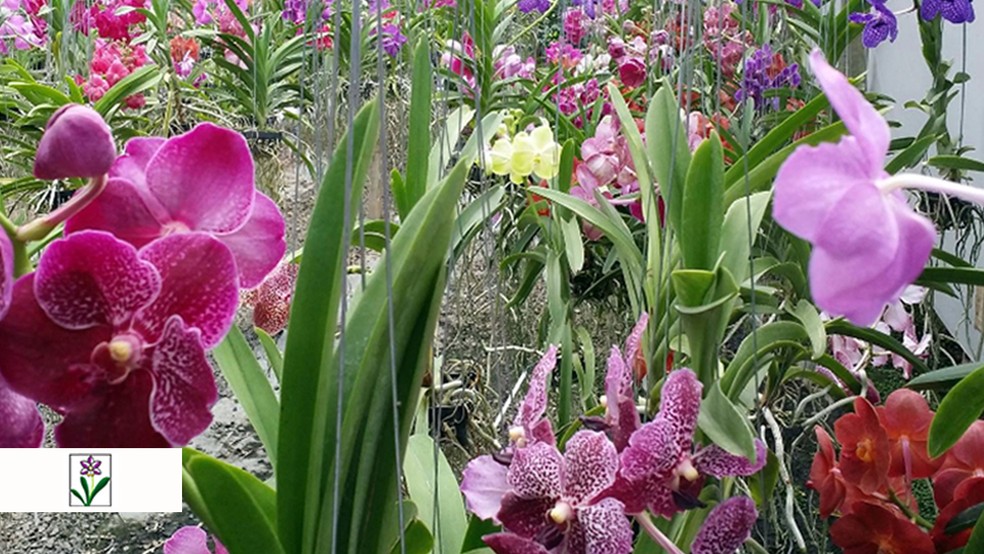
[[42, 479]]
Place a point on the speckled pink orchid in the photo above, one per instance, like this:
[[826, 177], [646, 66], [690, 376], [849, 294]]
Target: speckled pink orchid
[[660, 469], [484, 481], [20, 422], [199, 181], [726, 528], [868, 244], [621, 416], [271, 300], [555, 503], [114, 338], [191, 540]]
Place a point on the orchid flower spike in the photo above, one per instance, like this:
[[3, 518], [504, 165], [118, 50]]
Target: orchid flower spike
[[868, 244]]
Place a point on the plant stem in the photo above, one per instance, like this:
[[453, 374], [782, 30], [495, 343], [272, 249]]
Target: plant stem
[[657, 535], [914, 516], [932, 184], [40, 227], [22, 262]]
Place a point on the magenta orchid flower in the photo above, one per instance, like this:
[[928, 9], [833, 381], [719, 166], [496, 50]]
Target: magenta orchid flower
[[868, 244], [199, 181], [123, 335], [191, 540], [660, 469], [484, 481], [726, 528], [621, 416], [76, 143], [21, 425], [555, 504]]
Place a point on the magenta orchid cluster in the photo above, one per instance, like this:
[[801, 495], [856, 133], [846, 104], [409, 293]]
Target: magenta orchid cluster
[[580, 500], [21, 25], [112, 328]]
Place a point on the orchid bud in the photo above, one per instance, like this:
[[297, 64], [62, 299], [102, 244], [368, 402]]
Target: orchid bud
[[76, 143]]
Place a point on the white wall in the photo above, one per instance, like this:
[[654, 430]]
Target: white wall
[[899, 71]]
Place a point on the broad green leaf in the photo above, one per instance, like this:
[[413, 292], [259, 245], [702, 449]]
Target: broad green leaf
[[251, 387], [976, 541], [100, 486], [242, 509], [305, 414], [911, 155], [572, 243], [669, 150], [477, 528], [807, 314], [476, 213], [764, 482], [958, 275], [703, 214], [965, 519], [140, 80], [420, 120], [85, 489], [418, 540], [725, 425], [705, 321], [418, 467], [769, 337], [273, 354], [961, 407], [943, 378], [446, 141], [956, 162], [743, 217]]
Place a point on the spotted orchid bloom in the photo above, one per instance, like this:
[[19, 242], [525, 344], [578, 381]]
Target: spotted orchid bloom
[[726, 528], [879, 25], [868, 244], [22, 425], [123, 334], [660, 468], [271, 300], [191, 540], [201, 181], [621, 417], [484, 481], [555, 502]]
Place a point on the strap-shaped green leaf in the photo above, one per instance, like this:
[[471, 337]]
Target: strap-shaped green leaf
[[308, 387], [703, 210], [959, 409], [448, 522], [420, 118], [251, 386]]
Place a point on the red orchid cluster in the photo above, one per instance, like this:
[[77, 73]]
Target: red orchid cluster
[[883, 450]]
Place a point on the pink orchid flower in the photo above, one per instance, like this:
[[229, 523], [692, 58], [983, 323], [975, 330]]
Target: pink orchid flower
[[271, 300], [727, 527], [868, 244], [621, 417], [191, 540], [199, 181], [114, 338]]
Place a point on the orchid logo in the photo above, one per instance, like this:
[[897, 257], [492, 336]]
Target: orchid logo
[[94, 474]]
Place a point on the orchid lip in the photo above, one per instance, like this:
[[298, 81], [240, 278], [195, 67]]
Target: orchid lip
[[561, 513]]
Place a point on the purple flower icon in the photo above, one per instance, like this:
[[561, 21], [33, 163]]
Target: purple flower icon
[[90, 467]]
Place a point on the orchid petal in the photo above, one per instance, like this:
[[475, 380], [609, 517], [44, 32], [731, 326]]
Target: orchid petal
[[28, 335], [92, 278], [590, 465], [633, 342], [198, 283], [535, 401], [76, 143], [483, 483], [716, 461], [204, 179], [259, 245], [187, 540], [20, 422], [132, 164], [116, 416], [525, 516], [123, 210], [653, 451], [727, 527], [679, 404], [536, 470], [184, 389], [508, 543], [862, 120], [601, 527]]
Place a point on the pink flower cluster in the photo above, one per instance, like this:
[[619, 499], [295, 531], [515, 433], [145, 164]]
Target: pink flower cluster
[[509, 64], [112, 25], [111, 62], [724, 38], [21, 25], [208, 12]]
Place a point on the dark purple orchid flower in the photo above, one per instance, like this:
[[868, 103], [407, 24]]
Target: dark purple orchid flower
[[621, 416], [90, 467], [726, 528], [122, 335], [392, 38], [484, 480], [527, 6], [879, 25], [954, 11], [660, 468], [555, 503], [868, 244], [199, 181], [21, 425]]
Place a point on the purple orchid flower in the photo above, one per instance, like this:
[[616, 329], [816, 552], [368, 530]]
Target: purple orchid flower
[[21, 426], [77, 142], [879, 25], [122, 334], [954, 11], [555, 504], [199, 181], [660, 469], [484, 481], [527, 6], [868, 244], [726, 528], [392, 39], [90, 467], [191, 540], [621, 417]]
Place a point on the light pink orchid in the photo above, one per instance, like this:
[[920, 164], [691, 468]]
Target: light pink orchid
[[191, 540], [201, 181]]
